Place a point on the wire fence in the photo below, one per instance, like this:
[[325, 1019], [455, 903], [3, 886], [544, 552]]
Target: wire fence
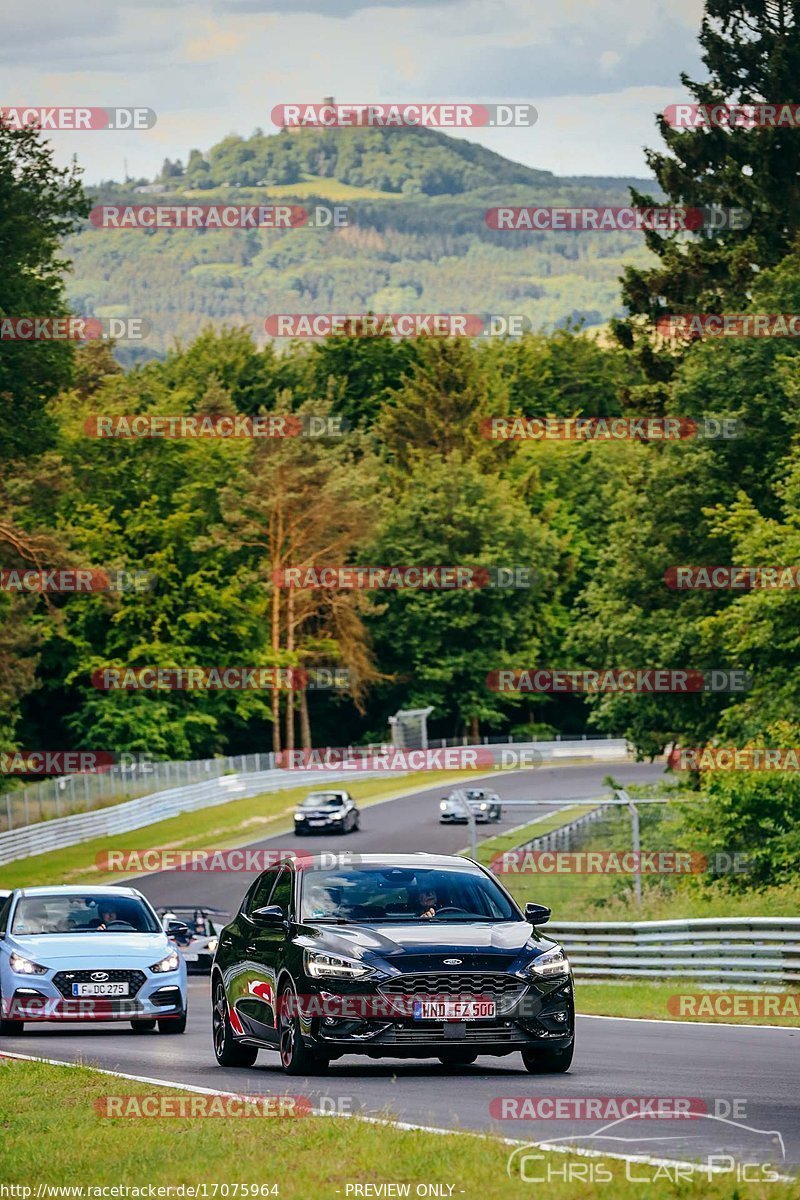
[[137, 776]]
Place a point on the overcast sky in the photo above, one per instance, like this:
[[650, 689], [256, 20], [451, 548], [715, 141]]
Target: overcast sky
[[596, 70]]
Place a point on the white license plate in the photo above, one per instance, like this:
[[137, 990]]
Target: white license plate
[[321, 821], [100, 989], [453, 1010]]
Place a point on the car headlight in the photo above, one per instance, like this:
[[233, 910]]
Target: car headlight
[[484, 807], [170, 963], [212, 945], [444, 805], [332, 966], [551, 965], [25, 966]]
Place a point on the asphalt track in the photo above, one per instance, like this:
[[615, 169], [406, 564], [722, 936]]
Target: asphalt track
[[717, 1067]]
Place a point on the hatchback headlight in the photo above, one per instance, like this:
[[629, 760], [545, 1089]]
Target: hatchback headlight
[[212, 945], [170, 963], [332, 966], [25, 966], [551, 965], [444, 805]]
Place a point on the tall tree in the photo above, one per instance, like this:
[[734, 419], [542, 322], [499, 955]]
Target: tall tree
[[751, 49]]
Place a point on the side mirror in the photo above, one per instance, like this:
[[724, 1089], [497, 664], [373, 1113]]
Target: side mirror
[[537, 914], [179, 930], [270, 914]]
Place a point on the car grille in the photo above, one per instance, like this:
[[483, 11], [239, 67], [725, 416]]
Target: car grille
[[505, 990], [65, 979]]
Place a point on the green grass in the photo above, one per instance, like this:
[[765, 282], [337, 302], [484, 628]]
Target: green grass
[[236, 823], [315, 186], [53, 1134], [598, 897], [638, 998]]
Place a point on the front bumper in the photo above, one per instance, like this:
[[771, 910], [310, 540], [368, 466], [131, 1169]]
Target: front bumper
[[481, 818], [532, 1017], [40, 998], [319, 826]]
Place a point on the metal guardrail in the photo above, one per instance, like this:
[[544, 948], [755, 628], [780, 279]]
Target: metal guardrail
[[134, 814], [138, 776], [146, 810], [724, 950]]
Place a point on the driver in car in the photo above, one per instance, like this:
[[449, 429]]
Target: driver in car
[[107, 915], [428, 900]]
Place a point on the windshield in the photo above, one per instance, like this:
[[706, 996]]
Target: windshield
[[89, 913], [199, 922], [317, 798], [373, 894]]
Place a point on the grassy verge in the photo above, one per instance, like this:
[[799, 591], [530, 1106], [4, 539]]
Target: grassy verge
[[641, 998], [607, 897], [236, 823], [53, 1134], [610, 897]]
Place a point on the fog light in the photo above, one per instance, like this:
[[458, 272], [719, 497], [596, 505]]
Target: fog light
[[560, 1016]]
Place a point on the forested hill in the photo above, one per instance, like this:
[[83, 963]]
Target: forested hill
[[409, 161], [416, 240]]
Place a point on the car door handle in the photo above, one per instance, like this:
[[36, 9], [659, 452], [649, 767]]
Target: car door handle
[[252, 949], [226, 941]]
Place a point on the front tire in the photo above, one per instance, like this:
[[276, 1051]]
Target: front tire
[[10, 1028], [173, 1024], [296, 1058], [548, 1061], [227, 1050]]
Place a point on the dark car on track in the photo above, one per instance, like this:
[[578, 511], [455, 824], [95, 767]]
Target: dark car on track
[[401, 955], [331, 811]]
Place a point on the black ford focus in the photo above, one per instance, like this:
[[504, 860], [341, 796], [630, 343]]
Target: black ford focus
[[402, 955]]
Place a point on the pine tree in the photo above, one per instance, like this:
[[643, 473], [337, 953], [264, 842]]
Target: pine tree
[[751, 49]]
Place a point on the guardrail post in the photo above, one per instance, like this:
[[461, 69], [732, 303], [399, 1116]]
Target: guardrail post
[[637, 877]]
